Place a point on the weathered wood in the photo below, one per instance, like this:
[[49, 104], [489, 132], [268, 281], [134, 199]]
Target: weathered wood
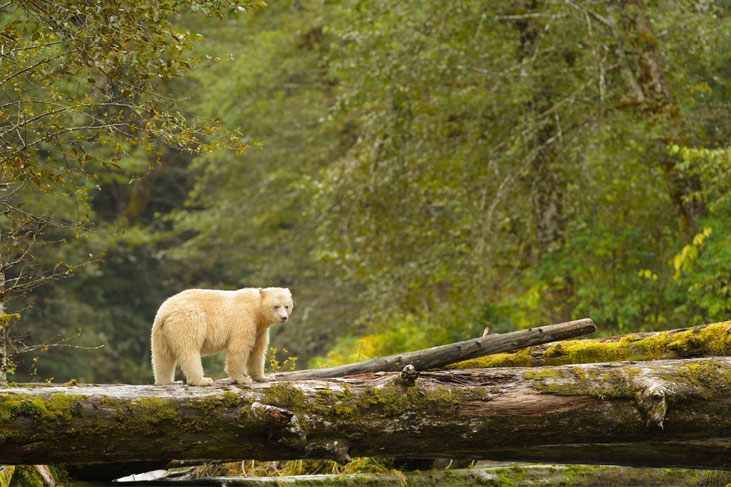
[[454, 352], [481, 476], [663, 413], [698, 341]]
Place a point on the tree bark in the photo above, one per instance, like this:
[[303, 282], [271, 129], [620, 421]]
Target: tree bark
[[699, 341], [643, 70], [3, 322], [663, 413], [454, 352], [139, 195], [546, 184]]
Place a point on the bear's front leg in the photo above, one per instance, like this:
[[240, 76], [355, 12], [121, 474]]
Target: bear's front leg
[[257, 357], [235, 367]]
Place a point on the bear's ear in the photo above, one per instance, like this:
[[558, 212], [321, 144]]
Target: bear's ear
[[261, 292]]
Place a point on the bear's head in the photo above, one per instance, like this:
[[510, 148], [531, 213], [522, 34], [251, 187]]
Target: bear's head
[[276, 304]]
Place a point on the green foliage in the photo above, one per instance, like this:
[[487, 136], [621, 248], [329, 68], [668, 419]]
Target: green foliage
[[77, 74], [26, 476], [456, 108], [287, 363], [85, 103], [404, 332], [419, 170]]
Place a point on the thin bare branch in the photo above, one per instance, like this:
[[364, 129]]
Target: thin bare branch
[[605, 22], [28, 48], [111, 126], [33, 348], [33, 66]]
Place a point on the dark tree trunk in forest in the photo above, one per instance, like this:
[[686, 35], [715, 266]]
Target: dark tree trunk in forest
[[546, 198], [664, 413], [140, 195], [643, 70], [546, 186], [3, 324]]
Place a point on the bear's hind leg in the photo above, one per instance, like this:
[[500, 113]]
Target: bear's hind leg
[[163, 360], [164, 370], [192, 367]]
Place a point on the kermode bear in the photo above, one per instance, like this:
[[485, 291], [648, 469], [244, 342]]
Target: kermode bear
[[202, 321]]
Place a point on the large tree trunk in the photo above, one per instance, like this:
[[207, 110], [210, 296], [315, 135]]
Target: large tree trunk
[[664, 413], [698, 341], [644, 73], [545, 180], [4, 321]]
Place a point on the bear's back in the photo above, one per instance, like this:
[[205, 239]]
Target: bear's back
[[213, 302]]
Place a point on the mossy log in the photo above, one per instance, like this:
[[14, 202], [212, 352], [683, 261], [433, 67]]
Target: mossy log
[[699, 341], [663, 413]]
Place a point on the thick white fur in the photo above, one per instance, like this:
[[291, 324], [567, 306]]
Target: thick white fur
[[203, 321]]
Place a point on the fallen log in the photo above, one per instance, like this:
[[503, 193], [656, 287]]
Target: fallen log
[[698, 341], [481, 476], [663, 413], [454, 352]]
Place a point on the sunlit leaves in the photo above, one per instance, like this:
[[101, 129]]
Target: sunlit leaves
[[432, 204]]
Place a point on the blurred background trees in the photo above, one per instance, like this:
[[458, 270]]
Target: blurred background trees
[[418, 171]]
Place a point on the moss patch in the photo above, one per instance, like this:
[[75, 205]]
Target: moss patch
[[710, 340], [388, 401], [6, 475], [47, 410], [575, 381]]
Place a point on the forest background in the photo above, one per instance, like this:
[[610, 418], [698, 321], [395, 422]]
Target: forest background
[[416, 171]]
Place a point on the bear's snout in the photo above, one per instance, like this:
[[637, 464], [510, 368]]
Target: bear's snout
[[283, 318]]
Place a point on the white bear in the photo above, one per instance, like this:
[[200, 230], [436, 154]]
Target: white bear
[[203, 321]]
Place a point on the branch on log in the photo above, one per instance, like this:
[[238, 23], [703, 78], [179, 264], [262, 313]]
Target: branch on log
[[663, 413], [454, 352], [699, 341]]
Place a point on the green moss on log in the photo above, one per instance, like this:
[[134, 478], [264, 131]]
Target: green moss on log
[[579, 382], [390, 400], [6, 474], [708, 380], [709, 340], [47, 410]]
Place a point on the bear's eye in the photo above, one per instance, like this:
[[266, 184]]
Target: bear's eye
[[276, 306]]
